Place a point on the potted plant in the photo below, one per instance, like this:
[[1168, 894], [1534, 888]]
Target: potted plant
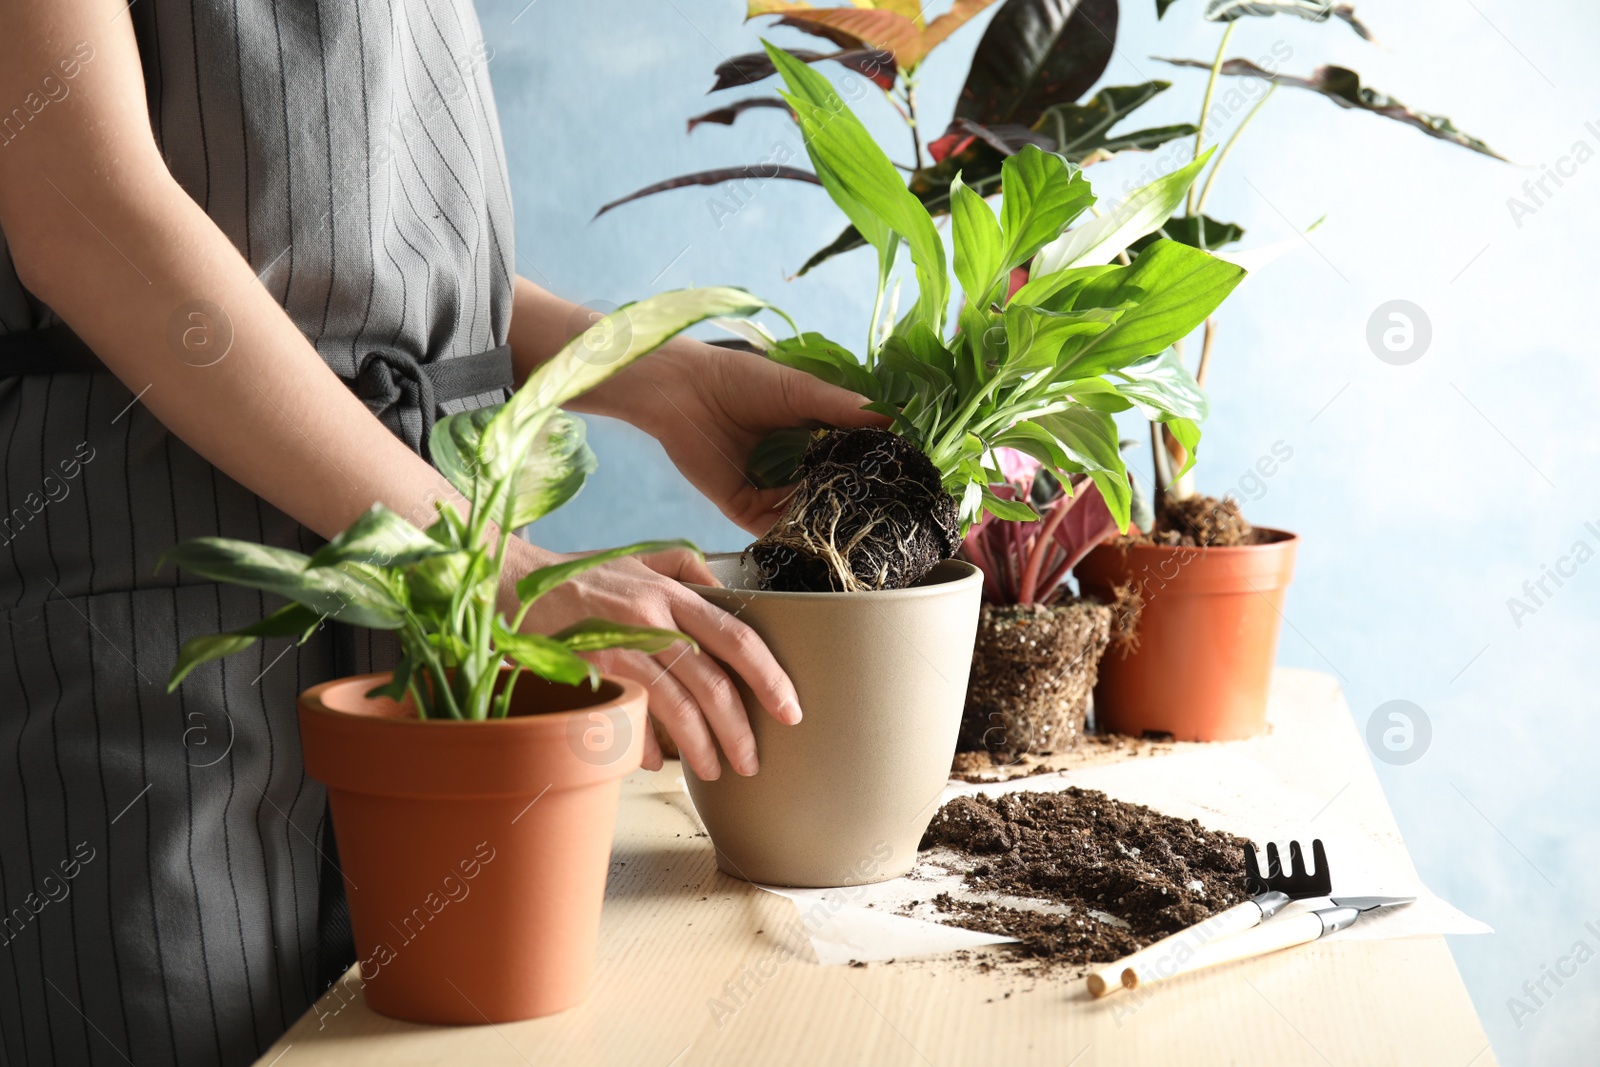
[[474, 789], [1038, 647], [1207, 589], [854, 587]]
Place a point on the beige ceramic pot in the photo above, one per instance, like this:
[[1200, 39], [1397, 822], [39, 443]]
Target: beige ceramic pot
[[843, 797]]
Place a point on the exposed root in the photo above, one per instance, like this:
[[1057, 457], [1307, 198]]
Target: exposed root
[[869, 512], [1126, 603]]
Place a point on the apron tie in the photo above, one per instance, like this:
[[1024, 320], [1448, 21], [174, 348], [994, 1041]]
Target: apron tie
[[387, 379]]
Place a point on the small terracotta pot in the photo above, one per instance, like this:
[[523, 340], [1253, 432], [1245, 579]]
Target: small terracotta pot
[[842, 798], [474, 853], [1207, 636]]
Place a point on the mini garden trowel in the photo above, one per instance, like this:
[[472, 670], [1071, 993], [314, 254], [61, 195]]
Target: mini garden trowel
[[1268, 894], [1281, 933]]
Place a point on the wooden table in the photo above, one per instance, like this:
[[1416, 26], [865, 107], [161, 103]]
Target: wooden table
[[694, 970]]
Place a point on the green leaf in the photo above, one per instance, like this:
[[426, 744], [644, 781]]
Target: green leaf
[[545, 657], [436, 581], [1082, 130], [1037, 339], [291, 620], [1042, 195], [1096, 393], [537, 583], [1099, 240], [456, 445], [339, 592], [840, 146], [1090, 438], [380, 538], [1188, 435], [597, 635], [557, 466], [773, 461], [1035, 53], [978, 250], [1162, 387], [1310, 10], [1034, 440], [608, 346], [1343, 86], [1171, 287], [399, 682], [1196, 231], [822, 358], [1008, 510]]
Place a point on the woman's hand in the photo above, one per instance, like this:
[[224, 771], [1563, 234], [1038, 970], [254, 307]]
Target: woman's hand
[[709, 407], [690, 694]]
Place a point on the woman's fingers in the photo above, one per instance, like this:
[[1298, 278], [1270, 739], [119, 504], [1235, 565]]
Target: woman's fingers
[[674, 707], [681, 566], [741, 648], [719, 702], [810, 399], [652, 760]]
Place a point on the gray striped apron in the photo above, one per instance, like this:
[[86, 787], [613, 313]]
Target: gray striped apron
[[167, 873]]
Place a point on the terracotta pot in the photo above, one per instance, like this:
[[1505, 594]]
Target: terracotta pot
[[474, 853], [842, 798], [1207, 636]]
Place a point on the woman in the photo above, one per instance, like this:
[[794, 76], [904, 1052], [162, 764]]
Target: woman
[[256, 247]]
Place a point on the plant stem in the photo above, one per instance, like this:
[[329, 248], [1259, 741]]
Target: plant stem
[[1205, 104], [441, 681], [1041, 548], [911, 119], [1205, 190], [1205, 352], [1160, 475]]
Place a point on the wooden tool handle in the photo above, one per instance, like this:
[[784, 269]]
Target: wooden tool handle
[[1164, 956], [1280, 933]]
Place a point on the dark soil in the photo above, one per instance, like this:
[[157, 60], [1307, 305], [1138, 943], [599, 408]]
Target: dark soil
[[983, 767], [1080, 849], [1201, 522], [869, 512], [1033, 669]]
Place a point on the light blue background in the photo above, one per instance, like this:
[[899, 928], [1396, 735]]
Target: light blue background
[[1427, 494]]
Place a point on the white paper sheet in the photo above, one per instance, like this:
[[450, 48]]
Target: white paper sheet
[[1223, 787]]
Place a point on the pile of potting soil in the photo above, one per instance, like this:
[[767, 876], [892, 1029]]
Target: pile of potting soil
[[1201, 522], [1125, 875]]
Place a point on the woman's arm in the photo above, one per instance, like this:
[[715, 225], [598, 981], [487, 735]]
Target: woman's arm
[[100, 231]]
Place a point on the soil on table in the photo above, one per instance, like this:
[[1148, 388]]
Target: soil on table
[[869, 511], [1033, 669], [1129, 875], [1091, 750]]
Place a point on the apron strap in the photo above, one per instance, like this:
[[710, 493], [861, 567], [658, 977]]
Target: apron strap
[[386, 380]]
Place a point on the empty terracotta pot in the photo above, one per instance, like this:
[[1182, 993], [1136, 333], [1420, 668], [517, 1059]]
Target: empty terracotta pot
[[842, 798], [474, 853], [1207, 636]]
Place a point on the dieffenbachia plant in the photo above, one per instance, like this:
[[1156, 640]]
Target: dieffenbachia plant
[[437, 589], [1042, 370]]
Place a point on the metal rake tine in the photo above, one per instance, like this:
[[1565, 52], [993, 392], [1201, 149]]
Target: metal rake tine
[[1297, 862], [1274, 863], [1324, 877], [1253, 882]]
